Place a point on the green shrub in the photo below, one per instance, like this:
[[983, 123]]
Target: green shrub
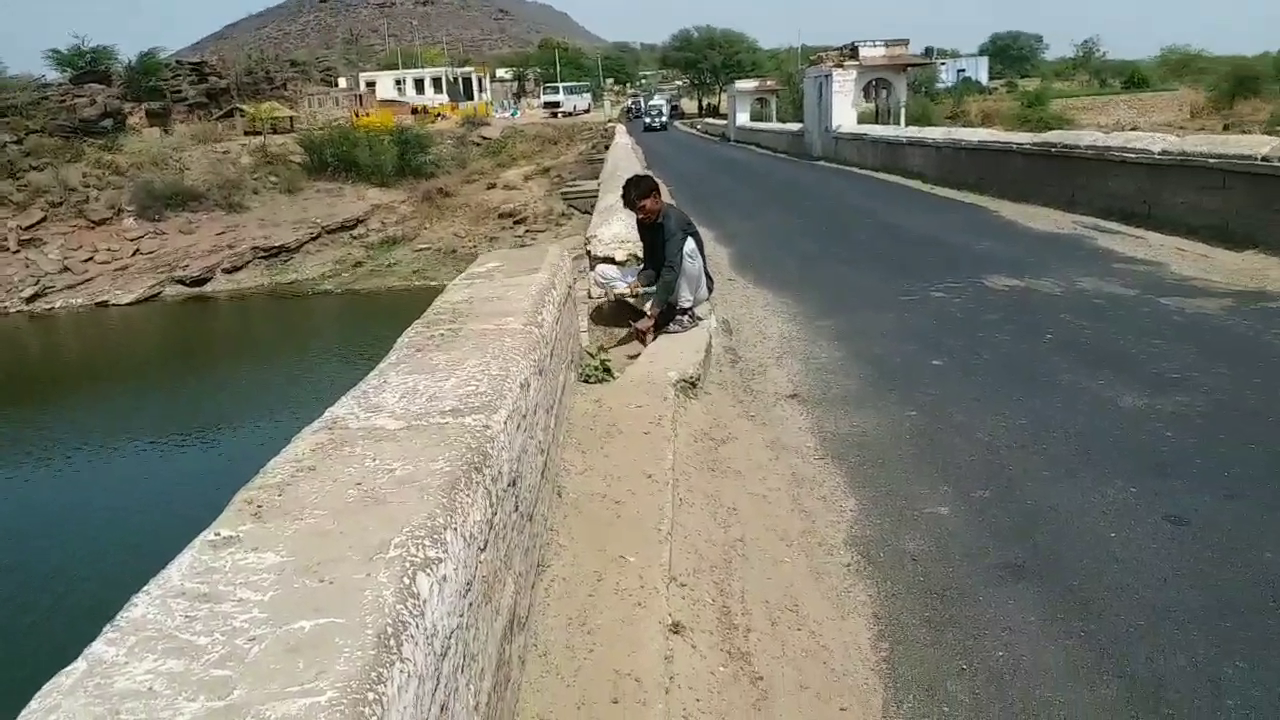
[[227, 189], [155, 196], [1242, 80], [1011, 86], [968, 87], [1136, 79], [376, 157], [1037, 98], [921, 112], [1035, 112], [1272, 125], [290, 178], [596, 367]]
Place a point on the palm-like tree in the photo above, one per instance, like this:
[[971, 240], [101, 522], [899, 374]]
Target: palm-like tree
[[82, 55], [142, 77]]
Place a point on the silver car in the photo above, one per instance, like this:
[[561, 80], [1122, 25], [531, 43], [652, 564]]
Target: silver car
[[655, 118]]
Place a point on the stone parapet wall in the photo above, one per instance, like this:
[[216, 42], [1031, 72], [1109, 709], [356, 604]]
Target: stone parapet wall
[[612, 236], [382, 565], [1220, 188]]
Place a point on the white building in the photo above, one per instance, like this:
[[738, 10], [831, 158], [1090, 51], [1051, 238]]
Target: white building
[[952, 70], [428, 86], [864, 75]]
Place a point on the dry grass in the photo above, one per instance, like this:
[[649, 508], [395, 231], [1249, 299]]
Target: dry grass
[[1181, 112], [201, 133]]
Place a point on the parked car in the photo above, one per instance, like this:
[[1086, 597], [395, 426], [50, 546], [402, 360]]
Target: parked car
[[655, 117]]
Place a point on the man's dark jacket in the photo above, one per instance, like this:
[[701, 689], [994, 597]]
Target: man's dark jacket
[[663, 243]]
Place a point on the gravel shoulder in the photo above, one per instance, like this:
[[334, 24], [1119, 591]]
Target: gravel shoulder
[[698, 566]]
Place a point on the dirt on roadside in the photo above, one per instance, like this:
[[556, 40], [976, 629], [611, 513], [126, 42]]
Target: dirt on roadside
[[698, 566]]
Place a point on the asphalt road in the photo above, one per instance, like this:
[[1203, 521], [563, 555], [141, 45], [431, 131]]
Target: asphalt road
[[1066, 459]]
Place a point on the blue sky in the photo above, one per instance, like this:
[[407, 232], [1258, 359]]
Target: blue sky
[[1128, 28]]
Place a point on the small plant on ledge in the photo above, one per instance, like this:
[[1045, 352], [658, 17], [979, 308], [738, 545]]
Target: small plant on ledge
[[596, 367]]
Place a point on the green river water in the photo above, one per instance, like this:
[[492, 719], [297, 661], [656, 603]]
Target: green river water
[[124, 432]]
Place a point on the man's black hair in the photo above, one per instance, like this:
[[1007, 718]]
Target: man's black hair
[[638, 188]]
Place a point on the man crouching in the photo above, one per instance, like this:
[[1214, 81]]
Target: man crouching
[[675, 262]]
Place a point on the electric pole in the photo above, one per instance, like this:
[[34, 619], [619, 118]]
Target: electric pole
[[557, 66]]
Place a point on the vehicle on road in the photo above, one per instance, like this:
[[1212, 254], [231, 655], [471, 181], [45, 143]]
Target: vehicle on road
[[635, 107], [570, 98], [656, 117]]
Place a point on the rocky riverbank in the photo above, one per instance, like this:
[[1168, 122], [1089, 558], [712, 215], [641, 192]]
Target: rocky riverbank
[[84, 244]]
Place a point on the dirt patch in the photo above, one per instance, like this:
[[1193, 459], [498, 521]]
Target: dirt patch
[[254, 220], [1174, 112], [698, 565]]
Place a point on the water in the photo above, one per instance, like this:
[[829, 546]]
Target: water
[[124, 432]]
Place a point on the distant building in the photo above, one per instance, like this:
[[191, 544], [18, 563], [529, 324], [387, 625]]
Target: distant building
[[952, 70], [428, 86], [877, 68]]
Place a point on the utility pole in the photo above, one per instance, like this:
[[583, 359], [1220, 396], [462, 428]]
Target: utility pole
[[604, 99], [386, 37], [417, 44], [557, 66], [799, 51]]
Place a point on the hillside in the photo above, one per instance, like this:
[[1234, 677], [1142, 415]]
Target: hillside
[[472, 27]]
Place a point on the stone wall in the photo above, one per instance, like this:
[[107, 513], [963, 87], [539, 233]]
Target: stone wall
[[382, 565], [612, 236], [1219, 188]]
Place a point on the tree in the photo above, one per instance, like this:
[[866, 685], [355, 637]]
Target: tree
[[82, 55], [1088, 57], [923, 81], [574, 65], [1014, 53], [941, 53], [354, 53], [262, 117], [521, 64], [1183, 63], [623, 65], [1241, 80], [412, 56], [143, 76], [708, 58]]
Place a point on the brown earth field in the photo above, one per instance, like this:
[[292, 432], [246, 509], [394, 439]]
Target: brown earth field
[[74, 239], [1175, 112]]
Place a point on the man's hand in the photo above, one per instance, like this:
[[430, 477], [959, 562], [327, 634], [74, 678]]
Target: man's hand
[[643, 329]]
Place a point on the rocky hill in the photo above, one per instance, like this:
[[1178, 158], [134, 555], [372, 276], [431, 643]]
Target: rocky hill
[[472, 27]]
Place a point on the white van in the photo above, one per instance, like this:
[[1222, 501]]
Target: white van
[[566, 98]]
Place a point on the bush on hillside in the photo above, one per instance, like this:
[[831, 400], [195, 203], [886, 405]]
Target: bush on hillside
[[1136, 79], [155, 196], [922, 112], [1242, 80], [1035, 112], [383, 158]]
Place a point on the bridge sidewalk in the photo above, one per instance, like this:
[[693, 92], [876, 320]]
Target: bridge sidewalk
[[698, 567]]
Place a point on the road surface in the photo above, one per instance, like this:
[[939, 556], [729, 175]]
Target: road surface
[[1066, 458]]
